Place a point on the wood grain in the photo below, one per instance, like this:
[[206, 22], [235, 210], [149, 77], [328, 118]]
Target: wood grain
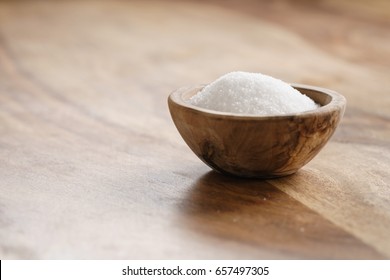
[[91, 165], [257, 146]]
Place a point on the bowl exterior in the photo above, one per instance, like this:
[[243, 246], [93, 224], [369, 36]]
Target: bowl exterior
[[255, 147]]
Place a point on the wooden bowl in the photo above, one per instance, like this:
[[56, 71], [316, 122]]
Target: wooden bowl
[[257, 146]]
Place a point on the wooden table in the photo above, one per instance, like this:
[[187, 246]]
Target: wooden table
[[91, 165]]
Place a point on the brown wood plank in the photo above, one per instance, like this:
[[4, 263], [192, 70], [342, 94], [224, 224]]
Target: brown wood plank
[[91, 165]]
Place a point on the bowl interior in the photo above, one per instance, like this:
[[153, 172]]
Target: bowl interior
[[321, 98]]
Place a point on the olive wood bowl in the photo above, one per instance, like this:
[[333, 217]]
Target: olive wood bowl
[[257, 146]]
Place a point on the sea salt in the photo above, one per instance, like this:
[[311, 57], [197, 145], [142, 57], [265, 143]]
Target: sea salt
[[252, 94]]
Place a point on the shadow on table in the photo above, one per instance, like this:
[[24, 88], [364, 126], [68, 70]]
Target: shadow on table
[[257, 215]]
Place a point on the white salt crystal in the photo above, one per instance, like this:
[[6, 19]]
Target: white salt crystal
[[252, 94]]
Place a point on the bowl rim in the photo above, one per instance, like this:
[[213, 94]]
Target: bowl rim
[[337, 103]]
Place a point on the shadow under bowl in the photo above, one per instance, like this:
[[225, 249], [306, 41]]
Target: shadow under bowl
[[257, 146]]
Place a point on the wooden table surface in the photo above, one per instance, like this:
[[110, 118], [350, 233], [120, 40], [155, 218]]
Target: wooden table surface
[[91, 165]]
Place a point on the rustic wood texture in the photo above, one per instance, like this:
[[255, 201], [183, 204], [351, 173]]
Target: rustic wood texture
[[257, 146], [92, 166]]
